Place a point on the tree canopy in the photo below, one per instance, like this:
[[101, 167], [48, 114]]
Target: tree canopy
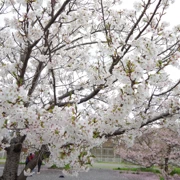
[[75, 72], [156, 146]]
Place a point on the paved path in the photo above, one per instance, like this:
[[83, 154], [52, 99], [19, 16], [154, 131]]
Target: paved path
[[92, 174], [95, 174]]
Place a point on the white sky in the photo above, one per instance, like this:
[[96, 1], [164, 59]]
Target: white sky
[[172, 17], [174, 13]]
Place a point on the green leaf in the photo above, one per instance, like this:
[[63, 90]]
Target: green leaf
[[56, 131], [51, 109], [82, 154], [67, 167], [42, 124], [96, 134], [62, 155]]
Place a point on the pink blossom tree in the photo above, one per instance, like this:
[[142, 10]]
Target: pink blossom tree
[[156, 146], [74, 72]]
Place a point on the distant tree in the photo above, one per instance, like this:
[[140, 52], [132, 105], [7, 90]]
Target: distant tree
[[74, 72], [156, 146]]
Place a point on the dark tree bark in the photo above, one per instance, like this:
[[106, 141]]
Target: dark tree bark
[[13, 157], [166, 165], [43, 153], [166, 161], [10, 171]]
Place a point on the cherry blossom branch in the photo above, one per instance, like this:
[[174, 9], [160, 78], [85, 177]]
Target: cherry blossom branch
[[75, 40], [169, 90], [86, 98], [36, 77], [149, 102], [174, 45], [2, 5], [117, 59], [69, 93], [136, 24], [154, 119], [105, 25], [28, 50], [56, 15]]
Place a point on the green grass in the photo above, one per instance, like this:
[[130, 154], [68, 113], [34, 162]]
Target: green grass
[[175, 171], [2, 160], [154, 170], [55, 167]]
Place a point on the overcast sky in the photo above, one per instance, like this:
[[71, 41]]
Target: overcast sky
[[174, 13]]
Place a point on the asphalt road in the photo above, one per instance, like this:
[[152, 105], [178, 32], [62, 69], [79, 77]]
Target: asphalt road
[[92, 174]]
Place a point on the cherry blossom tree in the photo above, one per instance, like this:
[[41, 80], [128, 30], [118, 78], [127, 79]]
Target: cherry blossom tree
[[156, 146], [75, 72]]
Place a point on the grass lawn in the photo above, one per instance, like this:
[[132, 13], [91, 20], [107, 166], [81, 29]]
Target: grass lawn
[[2, 160], [127, 167], [140, 169], [175, 171], [113, 165]]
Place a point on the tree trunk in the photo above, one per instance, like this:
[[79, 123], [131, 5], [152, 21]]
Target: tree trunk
[[166, 160], [40, 155], [166, 165], [164, 174], [12, 160], [13, 157]]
